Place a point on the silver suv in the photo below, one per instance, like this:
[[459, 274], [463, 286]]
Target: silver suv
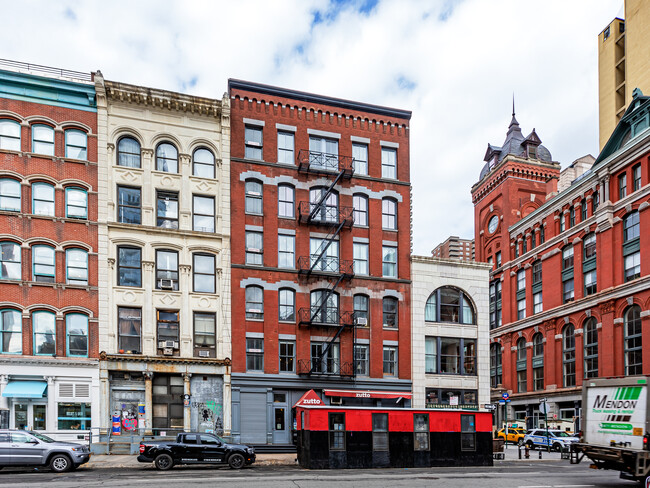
[[25, 448]]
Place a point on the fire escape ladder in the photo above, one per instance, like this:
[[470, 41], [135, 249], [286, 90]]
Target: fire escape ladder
[[323, 302], [327, 241], [323, 198]]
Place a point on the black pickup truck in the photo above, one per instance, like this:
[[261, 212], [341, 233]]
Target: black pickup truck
[[196, 448]]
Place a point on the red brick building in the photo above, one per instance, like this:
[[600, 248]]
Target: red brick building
[[570, 288], [320, 199], [48, 241]]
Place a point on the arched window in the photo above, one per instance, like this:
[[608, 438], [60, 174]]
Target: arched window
[[326, 211], [9, 135], [522, 366], [203, 163], [448, 304], [11, 332], [253, 190], [324, 307], [633, 342], [360, 206], [44, 330], [390, 312], [286, 201], [128, 153], [43, 140], [9, 195], [496, 371], [76, 144], [76, 331], [361, 310], [631, 246], [569, 355], [287, 305], [10, 268], [76, 203], [166, 158], [76, 266], [591, 348], [538, 362], [254, 302], [43, 199], [44, 263], [389, 214]]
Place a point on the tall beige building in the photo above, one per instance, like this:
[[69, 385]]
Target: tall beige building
[[164, 239], [623, 64]]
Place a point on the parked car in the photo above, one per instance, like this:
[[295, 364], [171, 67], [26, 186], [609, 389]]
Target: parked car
[[557, 439], [26, 448], [196, 448], [515, 435]]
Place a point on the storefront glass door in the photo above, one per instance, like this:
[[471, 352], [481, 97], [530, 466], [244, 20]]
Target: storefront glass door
[[30, 416], [281, 430], [20, 416]]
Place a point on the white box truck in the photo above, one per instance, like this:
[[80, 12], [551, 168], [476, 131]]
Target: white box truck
[[616, 425]]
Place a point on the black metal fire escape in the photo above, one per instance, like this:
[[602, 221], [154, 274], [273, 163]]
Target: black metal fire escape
[[322, 212]]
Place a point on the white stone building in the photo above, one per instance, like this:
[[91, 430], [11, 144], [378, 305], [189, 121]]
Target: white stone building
[[164, 265], [450, 355]]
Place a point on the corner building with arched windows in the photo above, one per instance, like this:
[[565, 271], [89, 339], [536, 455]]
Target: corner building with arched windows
[[165, 261], [49, 342], [569, 296], [321, 218]]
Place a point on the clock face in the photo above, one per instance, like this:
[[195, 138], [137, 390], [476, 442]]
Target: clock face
[[493, 224]]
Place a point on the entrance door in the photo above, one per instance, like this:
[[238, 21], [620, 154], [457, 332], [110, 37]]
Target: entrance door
[[30, 416], [168, 401], [281, 427]]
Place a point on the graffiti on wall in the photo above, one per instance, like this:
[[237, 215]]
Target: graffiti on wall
[[209, 415]]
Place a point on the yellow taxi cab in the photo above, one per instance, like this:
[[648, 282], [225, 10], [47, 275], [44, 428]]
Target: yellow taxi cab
[[515, 435]]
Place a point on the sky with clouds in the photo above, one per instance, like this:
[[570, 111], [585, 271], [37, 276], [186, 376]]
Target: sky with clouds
[[454, 63]]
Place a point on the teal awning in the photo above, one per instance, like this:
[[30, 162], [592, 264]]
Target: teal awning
[[25, 389]]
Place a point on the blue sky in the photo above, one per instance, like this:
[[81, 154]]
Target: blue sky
[[455, 64]]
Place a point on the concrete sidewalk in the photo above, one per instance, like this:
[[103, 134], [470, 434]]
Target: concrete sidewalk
[[130, 461], [511, 453]]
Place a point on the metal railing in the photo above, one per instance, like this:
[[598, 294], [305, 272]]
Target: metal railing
[[316, 315], [326, 264], [320, 161], [326, 367], [324, 214], [46, 70]]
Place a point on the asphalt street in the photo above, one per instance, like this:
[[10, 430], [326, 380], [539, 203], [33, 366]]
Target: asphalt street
[[547, 474]]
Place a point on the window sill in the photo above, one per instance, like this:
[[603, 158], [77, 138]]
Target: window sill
[[390, 328], [254, 214], [291, 322], [11, 151], [128, 168], [390, 230], [361, 227], [282, 217], [253, 320]]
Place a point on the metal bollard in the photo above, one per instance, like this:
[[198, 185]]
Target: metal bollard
[[519, 450], [540, 454], [526, 451]]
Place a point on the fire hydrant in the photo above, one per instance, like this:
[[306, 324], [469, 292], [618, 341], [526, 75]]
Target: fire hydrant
[[526, 451]]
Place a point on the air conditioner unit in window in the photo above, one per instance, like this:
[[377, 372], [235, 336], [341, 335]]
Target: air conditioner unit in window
[[204, 354], [168, 344], [361, 321], [336, 400], [166, 284], [168, 351]]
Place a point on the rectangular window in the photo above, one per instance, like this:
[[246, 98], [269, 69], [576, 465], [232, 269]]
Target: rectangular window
[[360, 210], [572, 217], [76, 328], [324, 153], [166, 270], [589, 246], [633, 266], [254, 248], [285, 148], [325, 361], [203, 218], [521, 309], [9, 193], [76, 263], [537, 303], [522, 381], [44, 329], [541, 235], [76, 203], [583, 210], [360, 257], [73, 416], [622, 186], [324, 254], [205, 330], [388, 163], [562, 222], [380, 432], [590, 282], [11, 336], [636, 176], [9, 135], [286, 201], [42, 199], [253, 142], [390, 312], [287, 302], [254, 354], [337, 431], [167, 210], [204, 270], [44, 262], [467, 433], [360, 155], [538, 378], [498, 259], [537, 272], [286, 251], [129, 205], [389, 214], [431, 355], [287, 356], [567, 258], [421, 431], [43, 140], [129, 327], [521, 280], [361, 359], [167, 327], [390, 361], [253, 197], [389, 261], [567, 291], [75, 144]]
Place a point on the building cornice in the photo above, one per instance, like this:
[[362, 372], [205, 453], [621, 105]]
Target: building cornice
[[136, 358], [48, 361], [450, 262]]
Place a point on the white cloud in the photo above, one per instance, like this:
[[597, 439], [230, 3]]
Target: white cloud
[[459, 75]]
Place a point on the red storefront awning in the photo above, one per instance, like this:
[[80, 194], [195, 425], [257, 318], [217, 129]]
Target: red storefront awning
[[369, 394], [309, 398]]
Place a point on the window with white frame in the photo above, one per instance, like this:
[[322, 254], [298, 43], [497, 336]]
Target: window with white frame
[[43, 140], [203, 218], [286, 147], [324, 254], [389, 214], [254, 354], [253, 142], [9, 135], [129, 329], [286, 201], [360, 155], [10, 195], [590, 329], [390, 361], [167, 158], [631, 246], [204, 273], [76, 203], [389, 306], [205, 329], [569, 355], [203, 163], [360, 206], [361, 304], [633, 347], [389, 261], [361, 359], [360, 258], [388, 163], [287, 305], [253, 190], [76, 262], [128, 153], [287, 351], [323, 152], [254, 248], [286, 251], [254, 302], [166, 269], [76, 144], [43, 199]]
